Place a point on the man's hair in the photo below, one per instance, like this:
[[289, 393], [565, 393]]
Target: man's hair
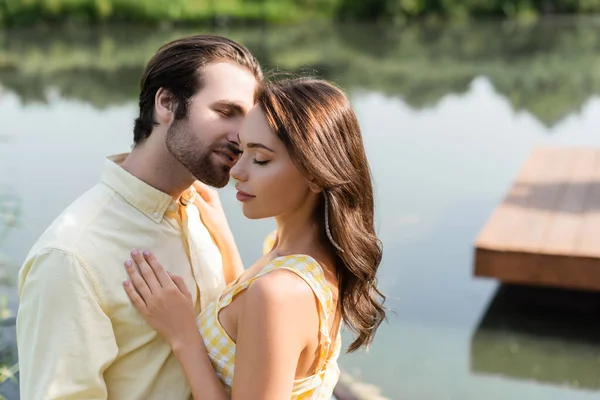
[[177, 67]]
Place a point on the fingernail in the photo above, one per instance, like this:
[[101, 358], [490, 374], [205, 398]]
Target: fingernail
[[134, 253], [128, 263], [126, 282], [146, 253]]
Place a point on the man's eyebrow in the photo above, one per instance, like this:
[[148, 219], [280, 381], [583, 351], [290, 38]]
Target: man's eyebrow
[[234, 106]]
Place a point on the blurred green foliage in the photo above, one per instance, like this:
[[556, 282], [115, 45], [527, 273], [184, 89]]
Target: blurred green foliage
[[30, 12], [27, 12]]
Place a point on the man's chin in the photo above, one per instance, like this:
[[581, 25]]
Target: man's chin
[[213, 180], [219, 185]]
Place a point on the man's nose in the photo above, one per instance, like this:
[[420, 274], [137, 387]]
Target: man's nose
[[233, 137]]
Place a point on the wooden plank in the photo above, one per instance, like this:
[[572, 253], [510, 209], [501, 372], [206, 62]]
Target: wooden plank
[[567, 219], [547, 230], [539, 269], [505, 218], [544, 192], [588, 241]]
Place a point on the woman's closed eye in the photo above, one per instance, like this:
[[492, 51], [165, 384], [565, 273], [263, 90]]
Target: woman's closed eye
[[256, 160], [260, 162]]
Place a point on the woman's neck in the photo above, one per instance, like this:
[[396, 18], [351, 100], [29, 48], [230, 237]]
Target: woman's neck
[[296, 234], [297, 231]]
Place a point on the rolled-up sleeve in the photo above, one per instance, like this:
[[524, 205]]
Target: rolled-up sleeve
[[65, 339]]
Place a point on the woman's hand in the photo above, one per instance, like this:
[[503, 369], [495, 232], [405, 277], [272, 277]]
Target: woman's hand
[[212, 213], [166, 304], [213, 217], [161, 298]]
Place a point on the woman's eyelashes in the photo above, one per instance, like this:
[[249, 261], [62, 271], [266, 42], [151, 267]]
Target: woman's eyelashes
[[255, 161]]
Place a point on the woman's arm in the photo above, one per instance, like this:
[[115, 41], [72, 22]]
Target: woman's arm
[[278, 318], [166, 304], [198, 370], [233, 266], [213, 217]]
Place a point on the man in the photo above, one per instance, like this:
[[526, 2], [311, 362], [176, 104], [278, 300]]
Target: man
[[78, 335]]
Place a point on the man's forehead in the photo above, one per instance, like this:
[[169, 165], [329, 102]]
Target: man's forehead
[[229, 84]]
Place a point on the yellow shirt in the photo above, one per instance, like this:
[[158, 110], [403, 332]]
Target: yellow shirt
[[78, 335]]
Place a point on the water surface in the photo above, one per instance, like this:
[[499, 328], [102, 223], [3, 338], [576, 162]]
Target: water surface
[[449, 115]]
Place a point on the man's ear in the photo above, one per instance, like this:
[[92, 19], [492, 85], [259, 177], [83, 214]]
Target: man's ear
[[164, 106]]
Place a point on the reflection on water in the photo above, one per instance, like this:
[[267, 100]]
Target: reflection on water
[[546, 69], [448, 115], [541, 334]]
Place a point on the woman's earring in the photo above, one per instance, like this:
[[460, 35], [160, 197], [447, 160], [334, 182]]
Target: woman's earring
[[327, 230]]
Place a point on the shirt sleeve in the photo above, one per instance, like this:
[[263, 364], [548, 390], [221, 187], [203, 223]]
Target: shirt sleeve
[[65, 339]]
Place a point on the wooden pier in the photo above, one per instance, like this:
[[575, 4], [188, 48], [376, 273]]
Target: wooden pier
[[547, 229]]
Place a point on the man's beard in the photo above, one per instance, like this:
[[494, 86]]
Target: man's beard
[[195, 155]]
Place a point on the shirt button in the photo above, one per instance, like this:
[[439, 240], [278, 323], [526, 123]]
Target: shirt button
[[173, 207], [156, 215]]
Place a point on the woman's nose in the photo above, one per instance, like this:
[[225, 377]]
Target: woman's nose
[[237, 171]]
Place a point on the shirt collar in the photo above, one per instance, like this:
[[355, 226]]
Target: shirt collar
[[150, 201]]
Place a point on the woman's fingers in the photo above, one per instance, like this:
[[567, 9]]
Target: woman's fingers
[[134, 296], [148, 276], [180, 283], [205, 192], [139, 284], [145, 270], [157, 268], [200, 203]]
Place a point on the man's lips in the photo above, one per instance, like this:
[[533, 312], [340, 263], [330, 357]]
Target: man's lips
[[229, 156]]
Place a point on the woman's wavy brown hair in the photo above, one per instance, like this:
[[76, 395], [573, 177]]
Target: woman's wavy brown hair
[[320, 130]]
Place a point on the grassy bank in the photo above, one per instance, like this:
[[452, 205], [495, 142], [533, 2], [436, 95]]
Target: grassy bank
[[30, 12]]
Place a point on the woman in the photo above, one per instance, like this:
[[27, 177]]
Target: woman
[[278, 324]]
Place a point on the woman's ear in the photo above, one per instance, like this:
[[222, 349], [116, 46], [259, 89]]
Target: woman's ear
[[163, 106], [314, 187]]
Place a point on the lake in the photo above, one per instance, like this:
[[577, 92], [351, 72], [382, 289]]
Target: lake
[[449, 114]]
